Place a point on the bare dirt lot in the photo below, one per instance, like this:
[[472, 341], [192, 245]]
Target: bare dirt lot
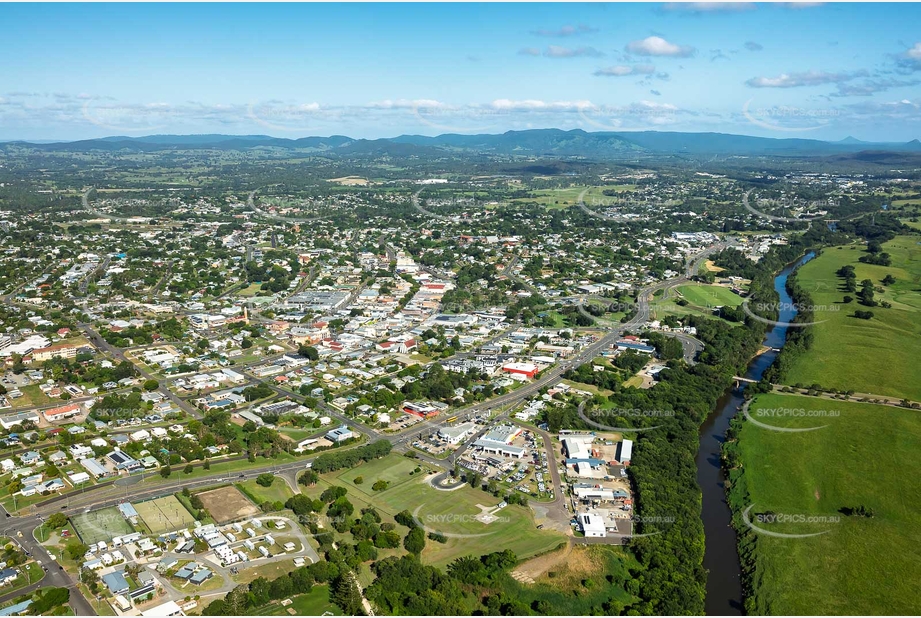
[[227, 504]]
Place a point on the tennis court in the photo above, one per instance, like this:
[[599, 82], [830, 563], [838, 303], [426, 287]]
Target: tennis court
[[100, 525]]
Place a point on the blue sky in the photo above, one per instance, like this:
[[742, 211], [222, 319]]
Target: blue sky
[[825, 71]]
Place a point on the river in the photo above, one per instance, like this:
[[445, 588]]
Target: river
[[721, 556]]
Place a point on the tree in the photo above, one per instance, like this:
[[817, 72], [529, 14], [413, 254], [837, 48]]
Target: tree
[[57, 520], [151, 385], [165, 471], [380, 485], [308, 478], [415, 541], [265, 480], [76, 550], [358, 480], [187, 469], [309, 352], [346, 595]]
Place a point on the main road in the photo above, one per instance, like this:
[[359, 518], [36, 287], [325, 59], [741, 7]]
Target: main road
[[111, 494]]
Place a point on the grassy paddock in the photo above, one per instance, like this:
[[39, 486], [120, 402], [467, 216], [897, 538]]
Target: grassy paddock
[[866, 456], [888, 345]]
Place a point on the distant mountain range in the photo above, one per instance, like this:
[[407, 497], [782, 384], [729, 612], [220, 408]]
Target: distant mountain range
[[536, 143]]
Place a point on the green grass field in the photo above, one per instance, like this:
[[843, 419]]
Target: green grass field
[[100, 525], [450, 512], [887, 346], [313, 603], [708, 296], [164, 514], [866, 456], [278, 492], [569, 196]]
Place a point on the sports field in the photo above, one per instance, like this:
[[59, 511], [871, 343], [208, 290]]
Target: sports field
[[164, 514], [100, 525], [449, 512], [867, 457], [710, 295], [278, 492], [877, 356]]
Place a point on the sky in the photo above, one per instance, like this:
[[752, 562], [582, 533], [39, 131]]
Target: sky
[[811, 70]]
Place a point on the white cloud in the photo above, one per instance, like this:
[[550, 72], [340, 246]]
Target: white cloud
[[808, 78], [407, 104], [910, 60], [539, 105], [657, 46], [622, 70], [555, 51]]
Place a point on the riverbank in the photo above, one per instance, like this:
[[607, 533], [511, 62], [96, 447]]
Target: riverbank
[[726, 583]]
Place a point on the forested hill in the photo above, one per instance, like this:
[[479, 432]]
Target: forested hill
[[535, 142]]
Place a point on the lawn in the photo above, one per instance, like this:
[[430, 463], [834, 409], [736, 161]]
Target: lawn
[[164, 514], [866, 456], [887, 346], [313, 603], [277, 492], [100, 525], [709, 296], [450, 512]]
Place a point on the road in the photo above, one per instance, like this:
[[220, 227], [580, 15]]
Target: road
[[111, 494], [119, 355], [55, 575]]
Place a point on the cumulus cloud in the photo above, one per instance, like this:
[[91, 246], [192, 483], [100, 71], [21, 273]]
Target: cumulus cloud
[[566, 31], [657, 46], [910, 60], [623, 70], [808, 78], [752, 46], [529, 51]]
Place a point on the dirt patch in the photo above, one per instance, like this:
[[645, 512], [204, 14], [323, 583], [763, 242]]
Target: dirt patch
[[227, 504], [572, 562]]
